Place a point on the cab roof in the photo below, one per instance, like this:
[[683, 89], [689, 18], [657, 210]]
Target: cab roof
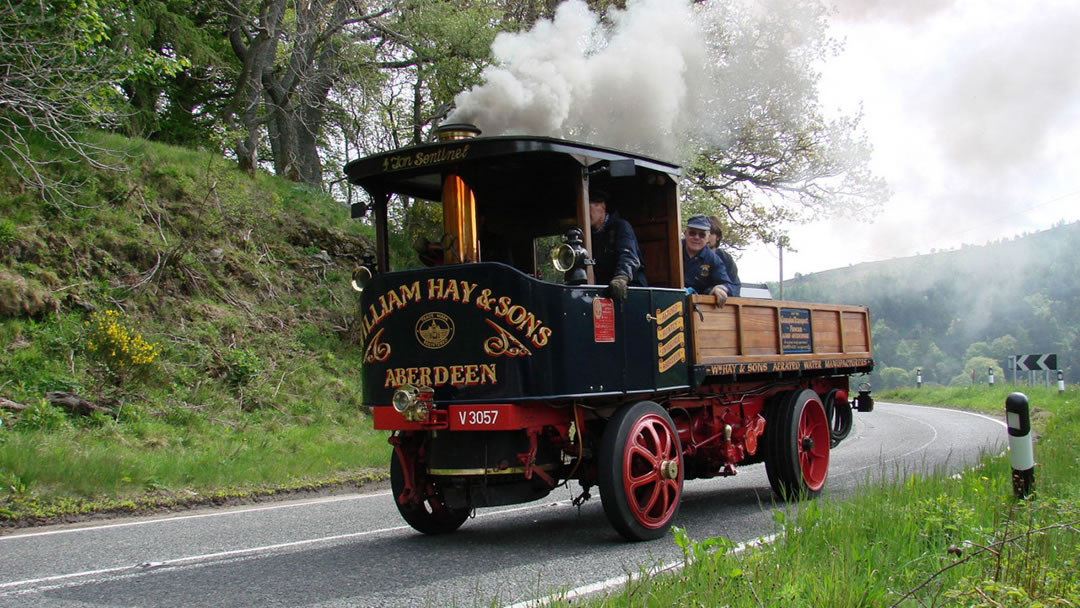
[[521, 164]]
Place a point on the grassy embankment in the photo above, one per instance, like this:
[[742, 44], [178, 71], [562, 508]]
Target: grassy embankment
[[210, 316], [930, 540]]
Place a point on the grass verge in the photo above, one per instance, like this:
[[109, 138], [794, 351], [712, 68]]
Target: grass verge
[[932, 540]]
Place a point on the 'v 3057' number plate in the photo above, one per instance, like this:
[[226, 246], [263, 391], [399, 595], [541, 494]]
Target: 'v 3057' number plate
[[503, 417], [477, 417]]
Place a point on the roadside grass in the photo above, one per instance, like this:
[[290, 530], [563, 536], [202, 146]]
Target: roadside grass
[[928, 540], [206, 315]]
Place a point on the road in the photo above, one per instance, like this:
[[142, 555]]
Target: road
[[354, 550]]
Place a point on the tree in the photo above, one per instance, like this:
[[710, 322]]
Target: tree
[[303, 63], [59, 77], [772, 157], [729, 93], [181, 102]]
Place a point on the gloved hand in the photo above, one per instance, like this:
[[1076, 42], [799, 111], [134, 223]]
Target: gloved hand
[[720, 293], [618, 286]]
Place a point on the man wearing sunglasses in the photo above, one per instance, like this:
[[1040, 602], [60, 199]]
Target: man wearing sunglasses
[[703, 271]]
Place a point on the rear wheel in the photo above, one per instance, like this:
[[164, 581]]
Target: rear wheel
[[839, 414], [797, 441], [640, 471], [427, 514]]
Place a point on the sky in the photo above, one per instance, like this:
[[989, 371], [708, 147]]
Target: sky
[[973, 109]]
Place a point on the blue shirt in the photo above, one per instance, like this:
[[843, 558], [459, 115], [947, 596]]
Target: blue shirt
[[704, 271], [616, 251]]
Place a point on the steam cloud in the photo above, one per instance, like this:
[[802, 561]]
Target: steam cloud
[[640, 85]]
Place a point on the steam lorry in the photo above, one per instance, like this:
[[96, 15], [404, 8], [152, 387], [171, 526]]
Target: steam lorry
[[498, 386]]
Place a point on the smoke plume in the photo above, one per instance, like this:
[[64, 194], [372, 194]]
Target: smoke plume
[[639, 84]]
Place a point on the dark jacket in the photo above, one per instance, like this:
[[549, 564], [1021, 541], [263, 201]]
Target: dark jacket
[[616, 251], [732, 271], [704, 271]]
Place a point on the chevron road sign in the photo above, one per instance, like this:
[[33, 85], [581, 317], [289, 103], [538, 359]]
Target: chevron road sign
[[1031, 363]]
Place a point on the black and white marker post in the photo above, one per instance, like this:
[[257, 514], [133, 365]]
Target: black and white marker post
[[1061, 382], [1021, 454]]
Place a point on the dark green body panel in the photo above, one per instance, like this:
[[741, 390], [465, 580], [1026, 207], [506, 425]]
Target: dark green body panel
[[488, 333]]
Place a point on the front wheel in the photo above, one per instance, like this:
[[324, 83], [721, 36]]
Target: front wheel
[[640, 471], [797, 440], [427, 514]]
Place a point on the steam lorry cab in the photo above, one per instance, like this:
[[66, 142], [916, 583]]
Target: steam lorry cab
[[499, 386]]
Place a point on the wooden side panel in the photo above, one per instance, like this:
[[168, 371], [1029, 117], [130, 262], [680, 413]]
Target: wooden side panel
[[760, 325], [826, 327], [716, 333], [856, 331]]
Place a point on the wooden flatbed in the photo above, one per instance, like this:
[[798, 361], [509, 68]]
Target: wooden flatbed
[[746, 337]]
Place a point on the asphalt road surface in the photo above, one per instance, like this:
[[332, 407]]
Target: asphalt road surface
[[354, 550]]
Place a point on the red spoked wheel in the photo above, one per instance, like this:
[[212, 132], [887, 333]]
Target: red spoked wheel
[[427, 513], [640, 471], [797, 444]]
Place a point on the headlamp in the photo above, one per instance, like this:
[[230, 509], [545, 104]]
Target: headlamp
[[414, 403], [362, 274], [571, 258]]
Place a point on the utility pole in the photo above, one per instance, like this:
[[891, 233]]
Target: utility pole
[[782, 242]]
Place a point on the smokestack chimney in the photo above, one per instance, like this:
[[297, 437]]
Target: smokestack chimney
[[456, 130]]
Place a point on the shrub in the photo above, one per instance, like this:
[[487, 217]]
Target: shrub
[[120, 346], [42, 415], [241, 367]]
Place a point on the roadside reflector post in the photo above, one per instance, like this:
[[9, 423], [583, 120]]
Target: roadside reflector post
[[990, 375], [918, 377], [1021, 453], [1061, 382]]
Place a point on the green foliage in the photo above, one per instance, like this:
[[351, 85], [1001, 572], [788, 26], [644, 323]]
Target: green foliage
[[932, 540], [144, 243], [937, 312], [242, 367], [7, 234], [42, 415]]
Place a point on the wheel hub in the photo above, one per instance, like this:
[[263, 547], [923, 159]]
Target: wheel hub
[[669, 469], [807, 443]]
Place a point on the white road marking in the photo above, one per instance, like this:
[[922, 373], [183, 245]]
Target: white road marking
[[237, 552], [619, 581], [167, 519]]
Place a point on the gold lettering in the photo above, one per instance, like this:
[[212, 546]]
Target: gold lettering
[[389, 379], [411, 291], [451, 292], [487, 373], [516, 316], [435, 289], [457, 375], [394, 301], [541, 338], [441, 375], [425, 376], [503, 307], [484, 300], [466, 290], [471, 376]]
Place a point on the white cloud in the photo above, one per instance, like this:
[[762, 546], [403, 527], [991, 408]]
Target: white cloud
[[974, 111]]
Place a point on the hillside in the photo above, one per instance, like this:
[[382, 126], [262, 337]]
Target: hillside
[[170, 313], [939, 311]]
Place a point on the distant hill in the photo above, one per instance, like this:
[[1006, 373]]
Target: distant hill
[[938, 312]]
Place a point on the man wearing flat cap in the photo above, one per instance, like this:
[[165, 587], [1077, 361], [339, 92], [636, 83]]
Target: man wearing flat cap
[[617, 255], [703, 271]]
